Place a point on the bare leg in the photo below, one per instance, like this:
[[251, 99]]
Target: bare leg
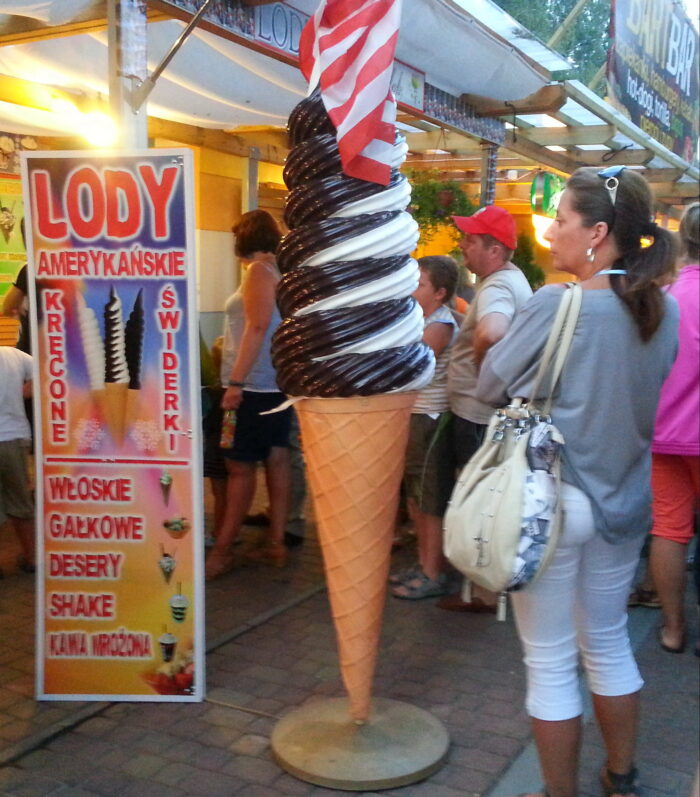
[[558, 743], [617, 718], [278, 478], [240, 488], [295, 520], [24, 529], [667, 566], [218, 489], [432, 560]]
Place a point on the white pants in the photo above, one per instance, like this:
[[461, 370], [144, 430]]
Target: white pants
[[578, 605]]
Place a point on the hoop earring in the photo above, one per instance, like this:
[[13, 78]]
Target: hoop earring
[[590, 254]]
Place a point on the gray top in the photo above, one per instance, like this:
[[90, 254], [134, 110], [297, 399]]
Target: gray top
[[605, 402], [262, 377], [505, 291]]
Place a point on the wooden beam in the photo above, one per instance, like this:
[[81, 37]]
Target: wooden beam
[[664, 175], [466, 164], [448, 140], [605, 157], [212, 139], [568, 136], [263, 136], [545, 100], [668, 192], [555, 161]]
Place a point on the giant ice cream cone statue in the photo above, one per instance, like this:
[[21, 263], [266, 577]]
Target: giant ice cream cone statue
[[350, 347], [351, 339], [354, 450]]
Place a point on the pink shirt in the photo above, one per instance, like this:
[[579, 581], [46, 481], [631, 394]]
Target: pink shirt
[[677, 428]]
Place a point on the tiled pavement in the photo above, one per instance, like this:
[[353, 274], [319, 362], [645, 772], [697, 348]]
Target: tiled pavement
[[273, 649]]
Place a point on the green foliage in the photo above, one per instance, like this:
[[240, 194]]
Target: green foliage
[[585, 44], [435, 201], [524, 258]]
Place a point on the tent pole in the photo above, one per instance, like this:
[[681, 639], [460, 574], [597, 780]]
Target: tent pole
[[126, 43]]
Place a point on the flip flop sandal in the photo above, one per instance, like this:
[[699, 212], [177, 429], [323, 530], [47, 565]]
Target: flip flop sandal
[[644, 597], [402, 576], [419, 588], [613, 784]]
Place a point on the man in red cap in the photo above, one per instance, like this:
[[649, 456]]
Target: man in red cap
[[488, 241]]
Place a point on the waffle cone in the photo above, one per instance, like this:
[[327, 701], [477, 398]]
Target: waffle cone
[[354, 450], [131, 412], [114, 409]]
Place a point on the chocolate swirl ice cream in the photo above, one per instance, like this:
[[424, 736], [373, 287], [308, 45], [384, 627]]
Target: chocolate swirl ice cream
[[133, 342], [115, 355], [351, 327]]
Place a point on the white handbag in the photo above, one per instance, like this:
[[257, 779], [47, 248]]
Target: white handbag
[[504, 517]]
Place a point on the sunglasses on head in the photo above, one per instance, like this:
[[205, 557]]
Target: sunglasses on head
[[611, 177]]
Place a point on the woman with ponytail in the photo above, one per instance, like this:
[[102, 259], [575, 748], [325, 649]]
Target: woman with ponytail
[[623, 348]]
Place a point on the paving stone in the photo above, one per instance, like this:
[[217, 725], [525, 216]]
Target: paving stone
[[292, 787], [230, 717], [143, 766], [220, 736], [480, 760], [250, 745], [255, 770], [214, 784], [148, 789], [464, 778], [36, 786], [257, 791], [96, 726], [174, 772]]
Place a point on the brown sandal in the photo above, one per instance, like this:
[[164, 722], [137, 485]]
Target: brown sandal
[[274, 555], [218, 564]]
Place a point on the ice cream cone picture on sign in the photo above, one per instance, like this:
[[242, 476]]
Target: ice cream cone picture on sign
[[116, 371], [113, 367], [350, 346], [133, 349], [166, 483]]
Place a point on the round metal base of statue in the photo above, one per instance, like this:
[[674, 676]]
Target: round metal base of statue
[[399, 744]]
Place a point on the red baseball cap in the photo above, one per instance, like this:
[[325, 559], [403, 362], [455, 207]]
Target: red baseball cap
[[490, 220]]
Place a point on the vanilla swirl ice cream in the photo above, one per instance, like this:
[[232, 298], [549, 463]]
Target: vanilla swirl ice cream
[[351, 326]]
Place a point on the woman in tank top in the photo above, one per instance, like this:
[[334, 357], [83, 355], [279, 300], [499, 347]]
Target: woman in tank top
[[248, 375]]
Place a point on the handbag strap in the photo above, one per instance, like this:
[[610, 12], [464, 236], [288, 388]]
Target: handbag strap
[[556, 349]]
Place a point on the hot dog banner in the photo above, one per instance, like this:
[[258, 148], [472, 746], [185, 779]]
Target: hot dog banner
[[117, 416]]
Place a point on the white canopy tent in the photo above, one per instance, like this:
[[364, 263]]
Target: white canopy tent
[[216, 83]]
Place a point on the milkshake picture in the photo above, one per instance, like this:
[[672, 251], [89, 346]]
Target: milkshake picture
[[167, 643], [178, 605]]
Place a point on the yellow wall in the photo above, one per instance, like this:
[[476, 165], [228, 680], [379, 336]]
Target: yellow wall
[[447, 238]]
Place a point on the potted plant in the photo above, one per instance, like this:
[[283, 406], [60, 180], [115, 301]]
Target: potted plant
[[524, 259], [434, 201]]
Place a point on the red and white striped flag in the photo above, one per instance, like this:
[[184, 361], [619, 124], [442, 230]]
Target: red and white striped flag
[[348, 46]]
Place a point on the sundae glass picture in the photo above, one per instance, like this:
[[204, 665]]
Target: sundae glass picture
[[167, 564]]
